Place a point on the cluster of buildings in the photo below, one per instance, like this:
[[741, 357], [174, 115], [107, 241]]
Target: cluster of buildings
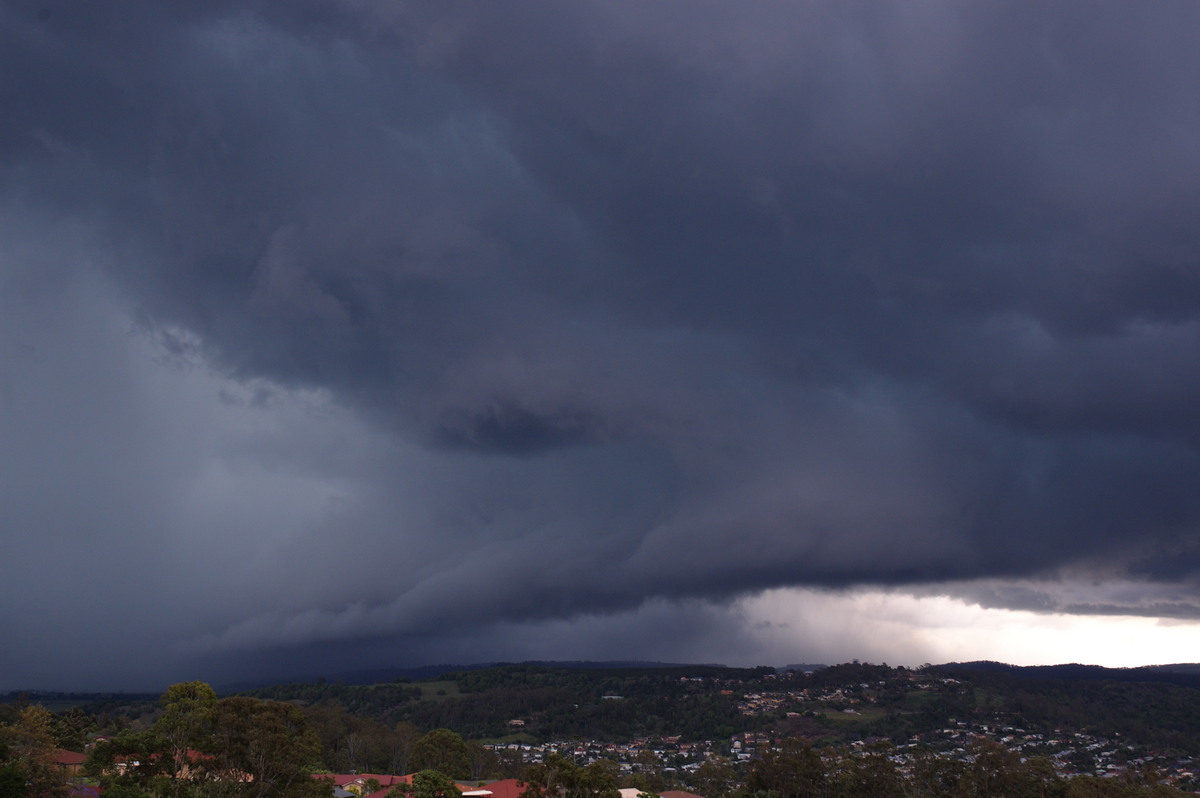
[[670, 755], [1071, 754], [762, 703], [1075, 754]]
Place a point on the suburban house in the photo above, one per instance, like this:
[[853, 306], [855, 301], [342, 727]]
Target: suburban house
[[69, 761], [356, 783]]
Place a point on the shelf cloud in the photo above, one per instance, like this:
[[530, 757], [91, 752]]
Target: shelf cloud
[[388, 328]]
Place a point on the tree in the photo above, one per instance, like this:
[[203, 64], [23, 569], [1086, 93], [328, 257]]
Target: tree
[[483, 760], [29, 749], [795, 771], [331, 724], [649, 771], [558, 777], [444, 751], [132, 764], [266, 746], [996, 772], [507, 765], [715, 778], [12, 780], [184, 727], [429, 784], [932, 776], [70, 728], [400, 743], [866, 776], [200, 747]]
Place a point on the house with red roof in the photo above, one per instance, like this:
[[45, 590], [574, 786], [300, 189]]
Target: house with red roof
[[506, 788], [678, 794], [356, 783], [70, 761]]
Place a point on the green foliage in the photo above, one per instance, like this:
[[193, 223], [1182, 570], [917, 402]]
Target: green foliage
[[796, 771], [1092, 787], [132, 762], [202, 747], [431, 784], [266, 745], [867, 776], [71, 728], [554, 702], [444, 751], [185, 725], [12, 781], [356, 744], [373, 700], [29, 752], [716, 778], [934, 775], [198, 743], [558, 777], [558, 703], [996, 772], [1155, 714]]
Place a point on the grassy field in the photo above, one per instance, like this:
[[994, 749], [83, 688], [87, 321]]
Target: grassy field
[[510, 738], [919, 700], [437, 691], [865, 713]]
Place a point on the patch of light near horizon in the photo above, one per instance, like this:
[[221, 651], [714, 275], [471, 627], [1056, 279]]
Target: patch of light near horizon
[[801, 625]]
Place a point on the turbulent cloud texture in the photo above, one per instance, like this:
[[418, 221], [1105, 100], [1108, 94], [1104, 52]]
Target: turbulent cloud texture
[[412, 328]]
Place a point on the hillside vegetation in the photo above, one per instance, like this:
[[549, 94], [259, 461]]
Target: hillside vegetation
[[712, 730]]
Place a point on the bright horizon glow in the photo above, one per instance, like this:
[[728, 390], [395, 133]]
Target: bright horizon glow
[[905, 629]]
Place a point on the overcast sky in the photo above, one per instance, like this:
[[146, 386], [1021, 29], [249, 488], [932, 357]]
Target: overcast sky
[[344, 333]]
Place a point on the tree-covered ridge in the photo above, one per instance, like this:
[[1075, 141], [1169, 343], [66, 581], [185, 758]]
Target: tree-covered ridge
[[1154, 714], [835, 704], [694, 701], [367, 700], [1183, 675], [628, 680]]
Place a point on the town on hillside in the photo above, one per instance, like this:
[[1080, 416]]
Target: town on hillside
[[546, 732]]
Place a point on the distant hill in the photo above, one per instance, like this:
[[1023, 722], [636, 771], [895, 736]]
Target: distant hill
[[1183, 674], [1177, 668], [422, 672], [1156, 707], [611, 701], [614, 701], [57, 700]]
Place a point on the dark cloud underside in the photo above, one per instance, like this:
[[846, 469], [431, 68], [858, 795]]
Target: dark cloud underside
[[315, 314]]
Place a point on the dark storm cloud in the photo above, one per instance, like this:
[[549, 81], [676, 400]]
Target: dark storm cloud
[[1163, 598], [594, 303]]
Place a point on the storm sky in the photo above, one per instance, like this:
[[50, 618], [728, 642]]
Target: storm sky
[[337, 334]]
